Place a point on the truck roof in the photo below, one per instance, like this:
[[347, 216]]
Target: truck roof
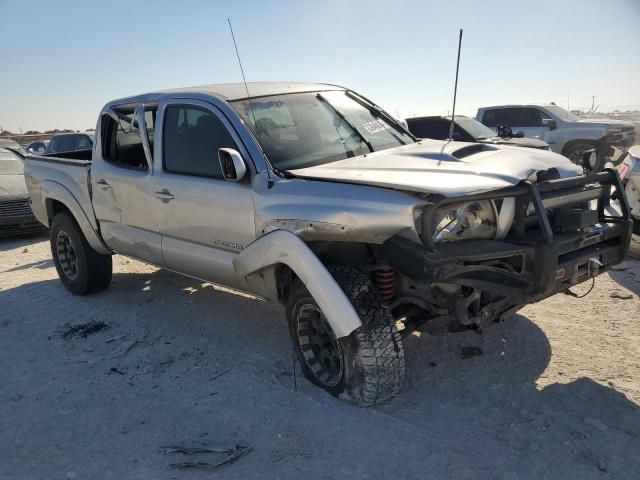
[[230, 91], [518, 105]]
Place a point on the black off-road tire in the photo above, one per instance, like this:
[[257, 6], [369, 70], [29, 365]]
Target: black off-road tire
[[81, 269], [573, 151], [372, 356]]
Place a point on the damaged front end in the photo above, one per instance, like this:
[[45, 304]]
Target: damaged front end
[[502, 249]]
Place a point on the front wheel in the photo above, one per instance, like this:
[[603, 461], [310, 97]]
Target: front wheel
[[367, 366], [80, 268]]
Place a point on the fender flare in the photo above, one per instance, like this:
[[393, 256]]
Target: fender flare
[[55, 191], [284, 247]]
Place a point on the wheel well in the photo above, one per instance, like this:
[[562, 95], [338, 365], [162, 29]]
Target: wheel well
[[54, 207], [329, 253]]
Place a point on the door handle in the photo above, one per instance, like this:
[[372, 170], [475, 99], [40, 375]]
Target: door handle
[[103, 183], [163, 194]]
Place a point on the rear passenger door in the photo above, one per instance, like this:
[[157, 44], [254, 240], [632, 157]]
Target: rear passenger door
[[122, 182], [205, 219]]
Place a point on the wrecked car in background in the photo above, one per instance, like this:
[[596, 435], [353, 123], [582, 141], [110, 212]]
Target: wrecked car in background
[[313, 196], [16, 217], [466, 130]]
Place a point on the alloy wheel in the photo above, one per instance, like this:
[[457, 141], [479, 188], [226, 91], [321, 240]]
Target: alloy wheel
[[320, 348], [66, 250]]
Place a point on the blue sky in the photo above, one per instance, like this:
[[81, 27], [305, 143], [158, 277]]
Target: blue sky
[[63, 60]]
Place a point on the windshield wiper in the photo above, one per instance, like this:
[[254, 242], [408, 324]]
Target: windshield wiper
[[283, 173], [381, 113], [344, 119]]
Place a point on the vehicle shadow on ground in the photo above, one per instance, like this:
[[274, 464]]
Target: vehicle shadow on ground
[[627, 274], [472, 396], [579, 429], [7, 243]]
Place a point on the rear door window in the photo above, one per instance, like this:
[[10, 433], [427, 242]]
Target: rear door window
[[122, 144], [191, 139]]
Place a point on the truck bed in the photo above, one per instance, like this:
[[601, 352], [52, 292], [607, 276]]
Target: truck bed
[[67, 173]]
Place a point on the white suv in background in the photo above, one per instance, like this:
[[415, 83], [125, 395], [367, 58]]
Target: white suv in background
[[565, 132]]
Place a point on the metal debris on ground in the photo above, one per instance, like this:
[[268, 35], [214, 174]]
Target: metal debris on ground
[[218, 375], [125, 349], [117, 337], [621, 295], [83, 329], [230, 454], [280, 457]]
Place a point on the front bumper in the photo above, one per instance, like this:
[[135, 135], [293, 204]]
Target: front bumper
[[532, 263]]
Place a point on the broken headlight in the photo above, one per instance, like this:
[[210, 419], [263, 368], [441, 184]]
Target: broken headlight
[[465, 221]]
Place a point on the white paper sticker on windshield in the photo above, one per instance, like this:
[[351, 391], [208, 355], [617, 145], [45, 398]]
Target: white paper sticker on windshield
[[374, 126]]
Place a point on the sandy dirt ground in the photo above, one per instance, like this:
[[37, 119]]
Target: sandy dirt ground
[[554, 394]]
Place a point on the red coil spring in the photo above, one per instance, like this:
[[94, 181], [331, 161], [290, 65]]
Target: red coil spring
[[386, 282]]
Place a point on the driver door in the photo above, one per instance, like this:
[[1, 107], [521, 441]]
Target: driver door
[[205, 220]]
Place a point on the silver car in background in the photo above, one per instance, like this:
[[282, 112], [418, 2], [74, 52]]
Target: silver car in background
[[16, 217]]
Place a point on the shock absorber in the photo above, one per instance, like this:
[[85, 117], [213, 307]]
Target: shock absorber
[[385, 279]]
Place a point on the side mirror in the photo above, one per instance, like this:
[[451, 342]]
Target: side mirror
[[518, 134], [550, 122], [232, 164]]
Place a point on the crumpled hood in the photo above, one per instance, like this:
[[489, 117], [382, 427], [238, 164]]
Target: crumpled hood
[[13, 186], [431, 166]]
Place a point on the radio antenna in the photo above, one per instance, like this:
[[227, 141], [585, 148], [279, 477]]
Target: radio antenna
[[455, 90], [246, 87]]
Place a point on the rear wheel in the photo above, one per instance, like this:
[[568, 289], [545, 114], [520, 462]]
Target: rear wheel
[[367, 366], [80, 268]]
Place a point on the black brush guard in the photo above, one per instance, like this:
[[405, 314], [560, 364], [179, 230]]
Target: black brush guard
[[534, 261]]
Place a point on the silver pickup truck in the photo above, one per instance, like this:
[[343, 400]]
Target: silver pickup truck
[[313, 196]]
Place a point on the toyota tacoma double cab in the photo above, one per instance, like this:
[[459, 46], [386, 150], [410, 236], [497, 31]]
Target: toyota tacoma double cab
[[313, 196], [565, 132]]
